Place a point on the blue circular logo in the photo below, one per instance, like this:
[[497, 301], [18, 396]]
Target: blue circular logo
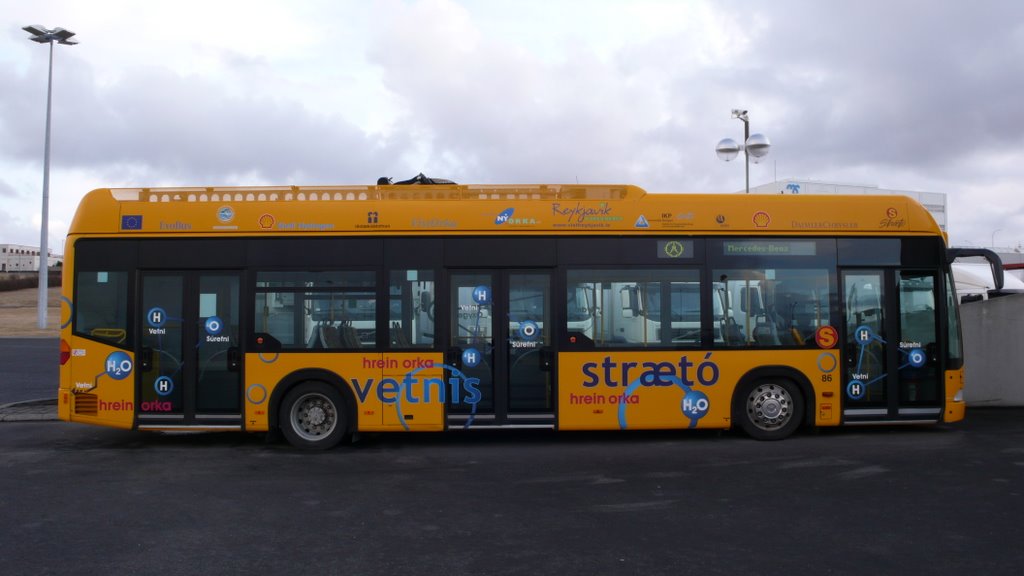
[[695, 404], [529, 330], [225, 214], [856, 389], [482, 295], [916, 357], [471, 357], [163, 385], [863, 334], [118, 365], [214, 325], [156, 317]]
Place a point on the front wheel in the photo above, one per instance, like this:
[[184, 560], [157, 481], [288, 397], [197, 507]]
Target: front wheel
[[769, 409], [313, 416]]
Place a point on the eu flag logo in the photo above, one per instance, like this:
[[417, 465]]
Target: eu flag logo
[[132, 222]]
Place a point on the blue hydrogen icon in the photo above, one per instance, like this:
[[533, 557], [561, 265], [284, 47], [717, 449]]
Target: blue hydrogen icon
[[163, 385], [156, 317], [863, 334], [856, 389], [214, 325], [695, 404], [482, 295], [225, 214], [916, 357], [118, 365], [529, 330], [470, 357]]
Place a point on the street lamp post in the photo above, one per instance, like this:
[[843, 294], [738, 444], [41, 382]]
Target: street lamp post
[[994, 237], [42, 35], [756, 145]]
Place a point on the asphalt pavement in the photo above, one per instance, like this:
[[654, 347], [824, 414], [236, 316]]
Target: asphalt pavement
[[77, 499], [28, 379], [30, 369], [931, 500], [29, 411]]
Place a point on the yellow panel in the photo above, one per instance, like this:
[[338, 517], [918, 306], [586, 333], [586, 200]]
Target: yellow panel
[[382, 384], [105, 376], [639, 390], [956, 407], [263, 371], [494, 210], [419, 404]]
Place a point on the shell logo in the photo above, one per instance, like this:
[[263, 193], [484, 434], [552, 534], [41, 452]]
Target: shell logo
[[762, 219], [266, 221]]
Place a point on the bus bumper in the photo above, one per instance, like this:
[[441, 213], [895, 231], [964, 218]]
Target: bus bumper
[[64, 405], [955, 405]]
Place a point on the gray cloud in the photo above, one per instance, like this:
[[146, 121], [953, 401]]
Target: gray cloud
[[880, 85], [902, 93], [896, 83], [189, 130], [7, 191]]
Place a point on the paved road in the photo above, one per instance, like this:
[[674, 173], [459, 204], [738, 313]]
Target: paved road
[[28, 368], [937, 500]]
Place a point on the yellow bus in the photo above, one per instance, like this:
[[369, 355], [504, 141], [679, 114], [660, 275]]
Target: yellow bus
[[325, 311]]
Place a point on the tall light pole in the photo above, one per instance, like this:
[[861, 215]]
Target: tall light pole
[[755, 145], [994, 237], [42, 35]]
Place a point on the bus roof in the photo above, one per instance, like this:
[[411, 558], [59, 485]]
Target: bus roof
[[486, 209]]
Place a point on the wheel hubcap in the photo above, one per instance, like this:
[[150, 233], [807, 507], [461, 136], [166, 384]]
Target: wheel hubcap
[[314, 416], [769, 406]]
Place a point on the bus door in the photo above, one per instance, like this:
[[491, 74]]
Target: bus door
[[501, 349], [189, 362], [892, 370]]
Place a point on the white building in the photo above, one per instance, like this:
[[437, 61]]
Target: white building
[[18, 258]]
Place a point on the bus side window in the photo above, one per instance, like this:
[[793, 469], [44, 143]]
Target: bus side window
[[772, 306], [101, 309], [411, 309]]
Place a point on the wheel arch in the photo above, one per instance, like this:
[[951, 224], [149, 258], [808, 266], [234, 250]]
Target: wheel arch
[[313, 375], [768, 373]]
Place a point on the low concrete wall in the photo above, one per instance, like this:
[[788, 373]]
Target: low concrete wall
[[22, 280], [994, 351]]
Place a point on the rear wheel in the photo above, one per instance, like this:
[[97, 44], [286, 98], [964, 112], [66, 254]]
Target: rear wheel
[[769, 409], [314, 416]]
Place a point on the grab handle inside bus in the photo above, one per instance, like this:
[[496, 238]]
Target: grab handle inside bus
[[234, 359], [453, 357], [547, 358], [146, 359]]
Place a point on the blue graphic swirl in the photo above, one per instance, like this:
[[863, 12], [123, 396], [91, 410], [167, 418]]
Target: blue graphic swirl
[[649, 376], [401, 391]]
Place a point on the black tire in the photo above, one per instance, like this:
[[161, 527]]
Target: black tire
[[769, 409], [314, 416]]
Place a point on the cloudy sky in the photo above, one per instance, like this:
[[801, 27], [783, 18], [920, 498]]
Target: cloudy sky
[[910, 95]]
